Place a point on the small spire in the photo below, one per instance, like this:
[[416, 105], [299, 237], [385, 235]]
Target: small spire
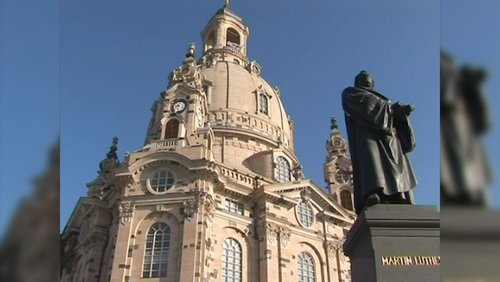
[[226, 4], [334, 124], [191, 49], [112, 150]]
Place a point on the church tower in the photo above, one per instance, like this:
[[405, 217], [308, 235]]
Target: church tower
[[338, 168], [216, 193]]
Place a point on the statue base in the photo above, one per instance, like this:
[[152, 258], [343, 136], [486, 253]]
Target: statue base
[[470, 244], [395, 243]]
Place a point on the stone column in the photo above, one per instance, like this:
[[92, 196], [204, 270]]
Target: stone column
[[332, 260], [268, 251], [189, 241], [121, 260]]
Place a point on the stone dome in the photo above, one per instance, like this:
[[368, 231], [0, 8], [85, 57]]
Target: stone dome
[[241, 95], [221, 102]]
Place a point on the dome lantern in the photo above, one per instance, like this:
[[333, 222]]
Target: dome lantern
[[226, 34]]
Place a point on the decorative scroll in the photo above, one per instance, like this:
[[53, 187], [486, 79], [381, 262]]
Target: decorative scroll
[[201, 199], [189, 208], [270, 231], [332, 248], [125, 212], [285, 233]]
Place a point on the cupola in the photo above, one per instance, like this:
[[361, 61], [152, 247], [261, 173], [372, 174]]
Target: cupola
[[226, 35]]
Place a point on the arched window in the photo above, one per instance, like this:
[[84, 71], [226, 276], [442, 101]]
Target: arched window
[[232, 38], [263, 104], [305, 214], [282, 170], [211, 40], [231, 261], [346, 200], [306, 268], [156, 254], [172, 129]]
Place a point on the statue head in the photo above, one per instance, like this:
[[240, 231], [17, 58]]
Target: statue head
[[364, 79]]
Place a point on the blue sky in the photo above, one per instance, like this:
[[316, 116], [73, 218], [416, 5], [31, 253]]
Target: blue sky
[[115, 56], [29, 96]]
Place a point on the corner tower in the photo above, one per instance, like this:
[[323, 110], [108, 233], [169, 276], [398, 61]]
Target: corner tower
[[338, 168]]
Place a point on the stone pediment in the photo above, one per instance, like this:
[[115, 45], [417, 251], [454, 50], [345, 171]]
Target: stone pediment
[[82, 209], [293, 192]]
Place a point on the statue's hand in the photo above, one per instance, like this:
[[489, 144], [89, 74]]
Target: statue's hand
[[409, 108], [396, 105], [400, 107]]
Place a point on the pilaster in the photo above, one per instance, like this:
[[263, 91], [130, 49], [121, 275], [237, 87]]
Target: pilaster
[[121, 263]]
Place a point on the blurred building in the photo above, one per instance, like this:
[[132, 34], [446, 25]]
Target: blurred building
[[29, 248], [217, 193]]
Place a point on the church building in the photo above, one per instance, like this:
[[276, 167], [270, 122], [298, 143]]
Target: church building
[[217, 192]]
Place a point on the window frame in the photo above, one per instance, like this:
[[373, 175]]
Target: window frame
[[234, 206], [263, 100], [232, 33], [305, 214], [306, 259], [236, 253], [282, 173], [167, 188], [151, 240], [172, 132], [343, 198]]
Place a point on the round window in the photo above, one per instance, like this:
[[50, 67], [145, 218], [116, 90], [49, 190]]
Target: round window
[[305, 214], [161, 181]]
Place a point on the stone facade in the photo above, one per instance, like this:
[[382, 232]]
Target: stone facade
[[216, 193]]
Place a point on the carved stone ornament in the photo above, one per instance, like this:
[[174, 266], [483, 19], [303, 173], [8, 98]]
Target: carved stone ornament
[[210, 59], [161, 207], [201, 199], [189, 208], [285, 233], [305, 195], [207, 202], [269, 231], [188, 73], [125, 212], [298, 172], [209, 207], [331, 248], [254, 67]]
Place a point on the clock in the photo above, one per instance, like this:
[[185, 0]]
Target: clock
[[342, 176], [179, 106]]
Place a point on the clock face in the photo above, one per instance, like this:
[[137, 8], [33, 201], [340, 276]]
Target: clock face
[[179, 106], [342, 176]]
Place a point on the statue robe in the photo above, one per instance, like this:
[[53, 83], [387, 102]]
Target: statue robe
[[379, 162]]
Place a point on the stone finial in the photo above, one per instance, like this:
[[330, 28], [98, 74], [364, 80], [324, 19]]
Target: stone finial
[[191, 49], [334, 124], [305, 195], [112, 150], [298, 172], [226, 3], [111, 159]]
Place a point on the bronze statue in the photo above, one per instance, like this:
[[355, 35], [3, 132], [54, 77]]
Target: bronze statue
[[380, 135], [465, 171]]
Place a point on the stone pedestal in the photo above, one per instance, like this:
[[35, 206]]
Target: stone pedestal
[[470, 244], [395, 243]]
